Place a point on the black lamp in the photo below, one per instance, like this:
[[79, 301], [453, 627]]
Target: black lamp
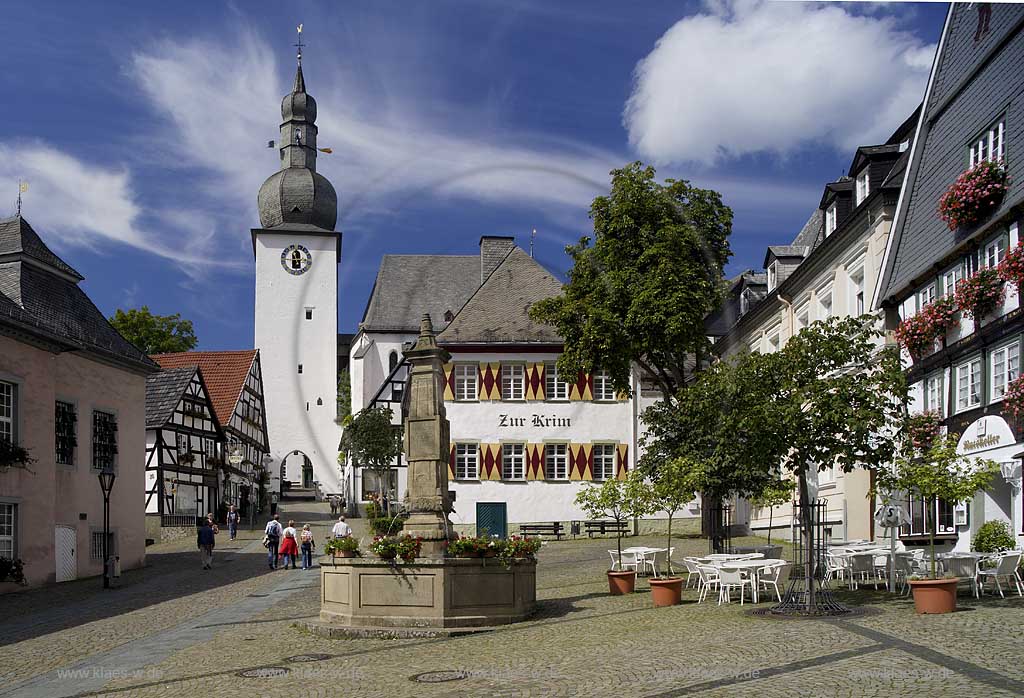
[[106, 477]]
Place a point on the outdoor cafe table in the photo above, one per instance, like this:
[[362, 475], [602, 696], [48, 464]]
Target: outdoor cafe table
[[642, 551], [752, 566]]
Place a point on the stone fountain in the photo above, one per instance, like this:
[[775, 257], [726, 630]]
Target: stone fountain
[[434, 594]]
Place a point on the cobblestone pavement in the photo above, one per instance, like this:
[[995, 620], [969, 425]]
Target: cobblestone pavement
[[582, 642]]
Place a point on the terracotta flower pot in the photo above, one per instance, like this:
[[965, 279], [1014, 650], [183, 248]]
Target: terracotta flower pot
[[621, 582], [344, 553], [667, 592], [934, 595]]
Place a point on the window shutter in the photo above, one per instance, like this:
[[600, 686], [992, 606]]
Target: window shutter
[[576, 461], [449, 381], [451, 463], [622, 466], [588, 466]]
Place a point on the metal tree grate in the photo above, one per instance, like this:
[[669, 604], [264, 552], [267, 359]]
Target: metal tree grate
[[809, 551]]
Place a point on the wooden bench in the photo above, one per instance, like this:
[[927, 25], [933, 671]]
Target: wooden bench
[[537, 529], [604, 527]]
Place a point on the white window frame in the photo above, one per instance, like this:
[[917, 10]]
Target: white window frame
[[467, 461], [773, 275], [556, 461], [510, 453], [831, 219], [604, 390], [827, 477], [934, 397], [513, 381], [803, 315], [926, 295], [467, 377], [952, 277], [9, 411], [606, 461], [9, 529], [1004, 367], [825, 311], [773, 338], [990, 145], [863, 185], [555, 389], [968, 376], [857, 281], [994, 252]]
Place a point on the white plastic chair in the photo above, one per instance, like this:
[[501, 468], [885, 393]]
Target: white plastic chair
[[691, 569], [1006, 567], [835, 566], [862, 570], [964, 567], [656, 560], [769, 576], [708, 579], [733, 579], [627, 560]]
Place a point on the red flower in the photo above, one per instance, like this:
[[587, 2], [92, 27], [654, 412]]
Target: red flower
[[975, 192]]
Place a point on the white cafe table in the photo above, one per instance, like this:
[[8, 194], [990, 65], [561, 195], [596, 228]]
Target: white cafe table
[[642, 551], [752, 566]]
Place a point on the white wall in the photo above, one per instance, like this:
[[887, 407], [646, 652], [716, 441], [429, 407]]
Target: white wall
[[286, 339]]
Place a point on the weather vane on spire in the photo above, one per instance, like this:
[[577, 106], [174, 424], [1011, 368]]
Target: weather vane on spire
[[299, 45], [22, 188]]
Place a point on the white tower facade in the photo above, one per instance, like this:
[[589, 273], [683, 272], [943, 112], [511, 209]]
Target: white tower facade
[[297, 254]]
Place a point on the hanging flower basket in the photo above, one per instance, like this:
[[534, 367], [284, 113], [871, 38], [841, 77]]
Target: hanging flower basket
[[1013, 398], [974, 194], [1011, 269], [980, 294], [923, 429], [917, 334]]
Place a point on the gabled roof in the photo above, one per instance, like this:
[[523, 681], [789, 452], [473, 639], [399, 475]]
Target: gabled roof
[[18, 238], [409, 285], [843, 185], [163, 393], [784, 252], [224, 373], [498, 313]]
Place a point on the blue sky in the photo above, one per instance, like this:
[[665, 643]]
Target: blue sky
[[142, 127]]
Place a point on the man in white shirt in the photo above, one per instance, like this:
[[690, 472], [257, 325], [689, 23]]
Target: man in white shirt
[[341, 529]]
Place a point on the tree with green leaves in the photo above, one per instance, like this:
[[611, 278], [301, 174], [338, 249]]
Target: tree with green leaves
[[372, 441], [775, 494], [675, 484], [639, 294], [936, 471], [618, 500], [155, 334]]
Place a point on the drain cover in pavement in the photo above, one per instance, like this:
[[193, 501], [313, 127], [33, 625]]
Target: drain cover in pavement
[[439, 676], [263, 672], [308, 658]]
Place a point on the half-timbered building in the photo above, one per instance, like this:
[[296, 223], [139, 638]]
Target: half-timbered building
[[183, 449], [234, 382]]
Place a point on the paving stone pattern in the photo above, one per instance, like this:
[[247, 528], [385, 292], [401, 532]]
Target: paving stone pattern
[[582, 642]]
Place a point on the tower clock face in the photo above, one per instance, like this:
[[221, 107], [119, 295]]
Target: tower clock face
[[296, 259]]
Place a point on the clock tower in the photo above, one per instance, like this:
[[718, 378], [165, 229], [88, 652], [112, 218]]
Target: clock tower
[[297, 254]]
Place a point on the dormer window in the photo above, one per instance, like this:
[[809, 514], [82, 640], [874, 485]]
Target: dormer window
[[863, 184], [830, 220], [773, 275]]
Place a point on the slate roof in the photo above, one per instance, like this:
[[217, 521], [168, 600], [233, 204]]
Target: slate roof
[[409, 285], [498, 313], [808, 236], [17, 236], [39, 295], [224, 373], [163, 393]]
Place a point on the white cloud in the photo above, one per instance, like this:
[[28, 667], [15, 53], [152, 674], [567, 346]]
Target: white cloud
[[750, 77], [72, 202]]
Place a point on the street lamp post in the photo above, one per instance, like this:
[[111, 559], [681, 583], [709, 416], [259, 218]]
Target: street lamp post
[[106, 477]]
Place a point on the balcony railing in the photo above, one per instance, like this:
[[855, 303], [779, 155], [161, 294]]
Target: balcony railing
[[179, 520]]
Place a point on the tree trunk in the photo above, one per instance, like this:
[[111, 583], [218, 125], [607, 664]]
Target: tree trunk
[[807, 533], [771, 515], [669, 546]]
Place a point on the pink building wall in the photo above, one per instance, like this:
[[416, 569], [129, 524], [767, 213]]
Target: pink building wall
[[56, 494]]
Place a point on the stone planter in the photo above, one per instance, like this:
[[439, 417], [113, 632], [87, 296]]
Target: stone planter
[[620, 583], [667, 592], [934, 595]]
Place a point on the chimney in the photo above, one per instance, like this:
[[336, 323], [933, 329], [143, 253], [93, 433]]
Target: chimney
[[493, 249]]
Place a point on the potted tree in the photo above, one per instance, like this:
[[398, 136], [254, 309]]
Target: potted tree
[[342, 547], [373, 441], [934, 472], [675, 484], [618, 500]]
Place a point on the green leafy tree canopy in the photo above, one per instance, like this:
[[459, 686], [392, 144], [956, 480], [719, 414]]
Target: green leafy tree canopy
[[155, 334], [641, 291], [616, 499], [372, 441]]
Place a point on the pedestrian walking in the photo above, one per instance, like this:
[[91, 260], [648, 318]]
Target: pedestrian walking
[[205, 541], [306, 540], [334, 505], [232, 522], [341, 529], [272, 540], [212, 523], [289, 546]]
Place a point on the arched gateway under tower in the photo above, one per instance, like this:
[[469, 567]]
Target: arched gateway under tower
[[297, 254]]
